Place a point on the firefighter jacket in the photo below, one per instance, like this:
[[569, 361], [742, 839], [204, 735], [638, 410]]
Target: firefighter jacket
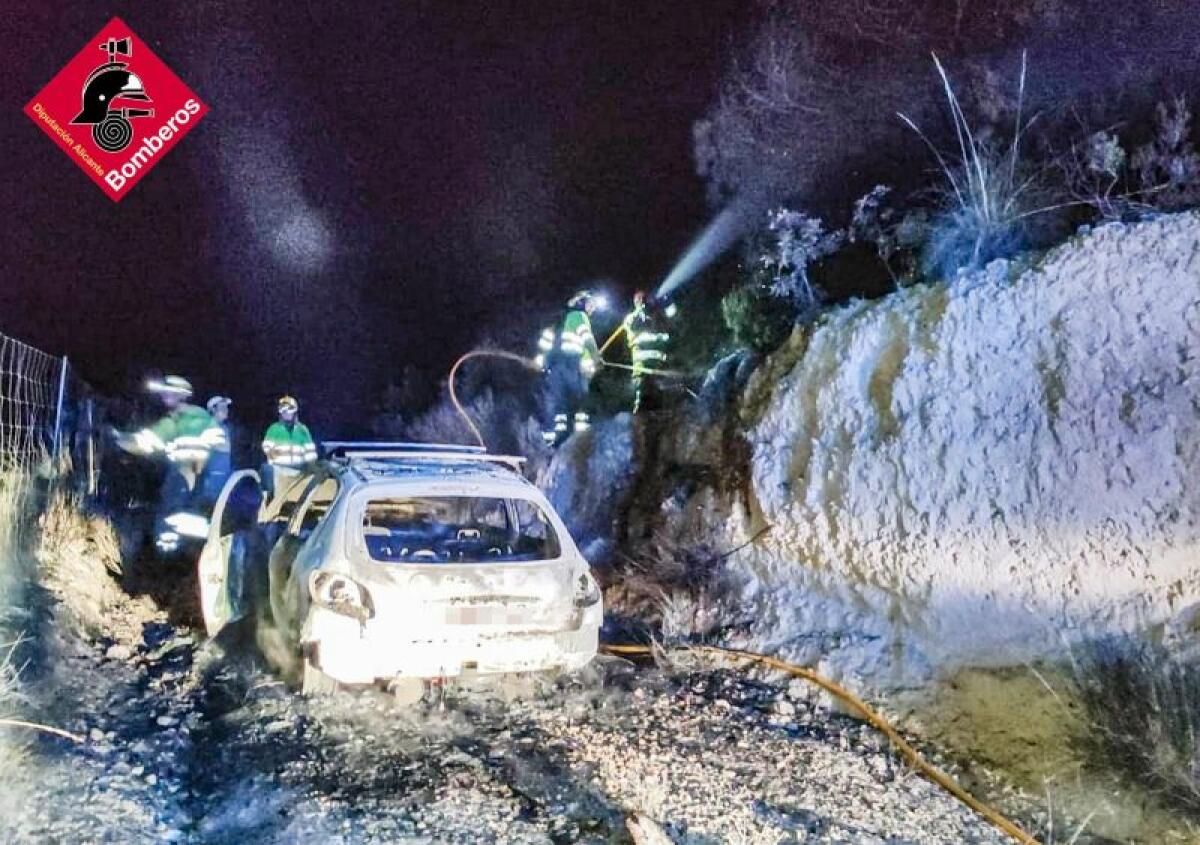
[[573, 340], [647, 339], [289, 445], [186, 435]]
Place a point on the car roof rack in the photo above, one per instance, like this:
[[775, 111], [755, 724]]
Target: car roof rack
[[362, 452], [344, 448]]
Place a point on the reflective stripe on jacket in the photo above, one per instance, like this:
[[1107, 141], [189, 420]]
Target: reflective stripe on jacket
[[575, 339], [289, 446], [188, 433], [647, 347]]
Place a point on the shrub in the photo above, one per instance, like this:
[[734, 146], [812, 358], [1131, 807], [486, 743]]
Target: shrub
[[1168, 167], [79, 556], [895, 235], [404, 397], [443, 424], [684, 592], [16, 570], [1143, 708], [780, 290], [14, 575], [757, 137], [1095, 173], [989, 200], [794, 242], [1162, 174], [15, 750], [756, 318], [795, 108], [506, 423]]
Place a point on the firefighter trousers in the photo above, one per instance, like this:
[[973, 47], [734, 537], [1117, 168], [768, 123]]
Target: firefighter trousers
[[564, 401]]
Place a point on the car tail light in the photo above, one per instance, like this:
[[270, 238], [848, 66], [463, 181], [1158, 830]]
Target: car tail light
[[341, 594], [587, 591]]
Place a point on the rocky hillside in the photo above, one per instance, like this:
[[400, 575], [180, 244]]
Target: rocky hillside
[[966, 474]]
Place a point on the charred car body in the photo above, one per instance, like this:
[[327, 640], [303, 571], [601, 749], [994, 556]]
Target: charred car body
[[393, 564]]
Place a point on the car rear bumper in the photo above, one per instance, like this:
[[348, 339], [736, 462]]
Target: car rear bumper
[[354, 653]]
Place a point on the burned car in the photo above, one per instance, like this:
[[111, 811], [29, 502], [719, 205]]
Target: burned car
[[397, 564]]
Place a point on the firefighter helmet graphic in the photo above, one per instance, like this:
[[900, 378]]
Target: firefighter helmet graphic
[[110, 82]]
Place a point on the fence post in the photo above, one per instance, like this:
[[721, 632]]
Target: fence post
[[58, 414], [91, 429]]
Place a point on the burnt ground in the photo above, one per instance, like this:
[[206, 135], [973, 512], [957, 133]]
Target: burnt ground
[[187, 741]]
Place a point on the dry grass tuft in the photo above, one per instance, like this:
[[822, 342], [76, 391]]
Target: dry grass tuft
[[685, 593], [15, 751], [1142, 704], [80, 558], [14, 576], [990, 198]]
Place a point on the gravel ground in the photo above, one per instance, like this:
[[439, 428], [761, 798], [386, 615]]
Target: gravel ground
[[713, 757], [195, 742], [124, 782], [191, 744]]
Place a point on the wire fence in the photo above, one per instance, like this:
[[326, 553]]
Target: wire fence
[[29, 387], [51, 420]]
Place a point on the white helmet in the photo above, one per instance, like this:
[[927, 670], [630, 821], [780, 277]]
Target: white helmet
[[170, 385], [216, 402]]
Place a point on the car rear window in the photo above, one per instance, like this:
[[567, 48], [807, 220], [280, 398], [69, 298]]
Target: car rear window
[[457, 529]]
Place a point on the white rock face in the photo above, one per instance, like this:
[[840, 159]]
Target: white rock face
[[981, 473]]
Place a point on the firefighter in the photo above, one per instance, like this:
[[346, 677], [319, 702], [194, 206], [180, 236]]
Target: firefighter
[[186, 436], [288, 445], [645, 329], [568, 355], [220, 460]]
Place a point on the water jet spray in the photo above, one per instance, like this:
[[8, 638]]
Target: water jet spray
[[717, 237]]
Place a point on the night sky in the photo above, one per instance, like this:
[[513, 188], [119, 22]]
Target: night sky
[[376, 184]]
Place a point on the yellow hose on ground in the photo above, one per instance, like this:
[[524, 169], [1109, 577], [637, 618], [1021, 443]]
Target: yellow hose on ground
[[481, 353], [874, 719], [857, 704]]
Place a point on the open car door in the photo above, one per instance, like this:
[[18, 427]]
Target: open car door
[[290, 488], [229, 563]]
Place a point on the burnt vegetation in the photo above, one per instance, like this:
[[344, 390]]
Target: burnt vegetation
[[1141, 703]]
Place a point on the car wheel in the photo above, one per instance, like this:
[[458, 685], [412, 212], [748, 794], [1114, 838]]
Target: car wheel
[[316, 682]]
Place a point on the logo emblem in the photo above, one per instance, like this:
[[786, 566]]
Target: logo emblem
[[116, 120]]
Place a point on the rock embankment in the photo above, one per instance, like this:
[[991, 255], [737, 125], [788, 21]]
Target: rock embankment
[[979, 472]]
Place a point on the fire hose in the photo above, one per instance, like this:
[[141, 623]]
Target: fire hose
[[873, 718], [648, 371], [855, 703], [481, 353], [620, 330], [529, 364]]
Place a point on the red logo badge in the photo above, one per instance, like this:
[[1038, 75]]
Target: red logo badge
[[116, 109]]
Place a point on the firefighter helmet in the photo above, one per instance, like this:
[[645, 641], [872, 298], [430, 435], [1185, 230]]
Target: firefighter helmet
[[216, 402], [173, 385]]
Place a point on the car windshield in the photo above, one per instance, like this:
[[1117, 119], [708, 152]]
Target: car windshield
[[457, 529]]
